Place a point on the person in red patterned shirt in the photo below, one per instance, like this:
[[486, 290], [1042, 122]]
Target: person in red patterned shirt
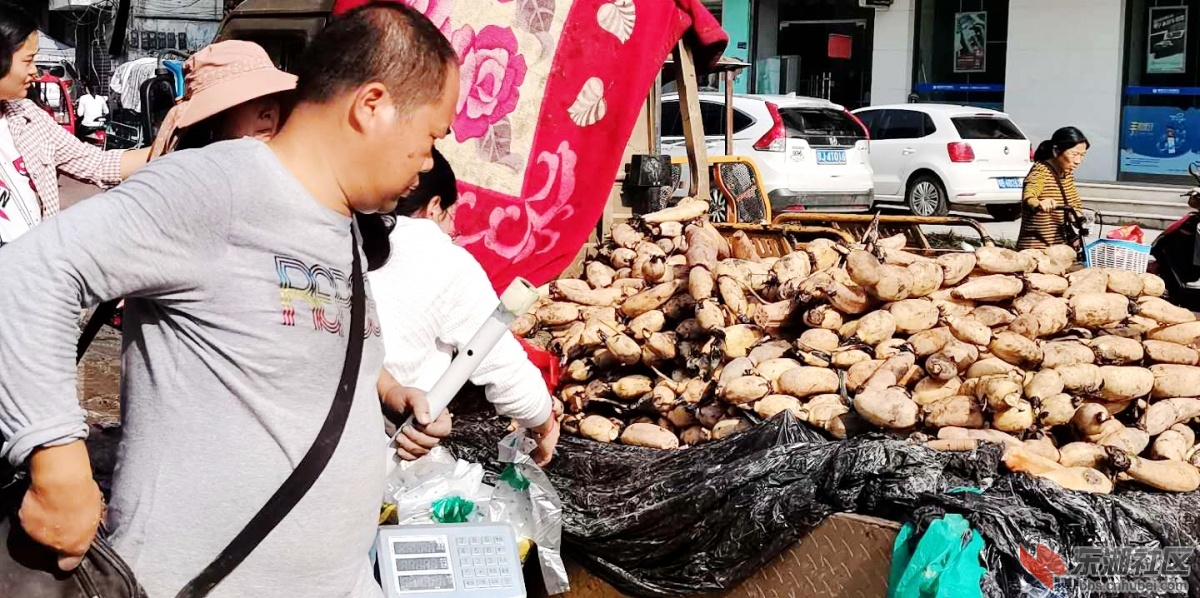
[[34, 148]]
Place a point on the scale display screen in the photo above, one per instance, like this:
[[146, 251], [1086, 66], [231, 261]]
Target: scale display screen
[[444, 561], [420, 547]]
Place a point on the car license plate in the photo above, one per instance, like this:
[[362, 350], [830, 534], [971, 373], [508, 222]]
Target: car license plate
[[831, 156], [1009, 182]]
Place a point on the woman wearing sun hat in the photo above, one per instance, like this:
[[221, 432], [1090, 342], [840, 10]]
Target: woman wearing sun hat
[[233, 91]]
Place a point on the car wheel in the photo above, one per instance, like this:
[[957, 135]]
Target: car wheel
[[718, 209], [927, 197], [1005, 212]]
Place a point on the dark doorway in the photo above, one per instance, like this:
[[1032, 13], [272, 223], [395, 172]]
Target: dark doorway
[[834, 59], [819, 48]]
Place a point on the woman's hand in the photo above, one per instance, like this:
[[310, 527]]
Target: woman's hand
[[546, 437], [1046, 204], [62, 507]]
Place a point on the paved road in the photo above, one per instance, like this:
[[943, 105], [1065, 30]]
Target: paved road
[[71, 191], [1009, 230]]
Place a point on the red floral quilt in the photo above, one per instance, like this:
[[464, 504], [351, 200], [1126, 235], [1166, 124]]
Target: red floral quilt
[[549, 94]]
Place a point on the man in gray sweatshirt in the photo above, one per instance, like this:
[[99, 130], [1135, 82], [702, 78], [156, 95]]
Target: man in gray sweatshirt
[[236, 263]]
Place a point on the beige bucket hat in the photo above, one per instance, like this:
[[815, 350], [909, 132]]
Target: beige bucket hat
[[219, 77]]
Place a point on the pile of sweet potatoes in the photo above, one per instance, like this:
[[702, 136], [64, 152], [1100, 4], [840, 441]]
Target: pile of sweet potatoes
[[675, 335]]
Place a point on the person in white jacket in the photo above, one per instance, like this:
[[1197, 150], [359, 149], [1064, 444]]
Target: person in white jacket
[[432, 296]]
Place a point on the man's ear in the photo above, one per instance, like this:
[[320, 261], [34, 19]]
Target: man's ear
[[367, 102]]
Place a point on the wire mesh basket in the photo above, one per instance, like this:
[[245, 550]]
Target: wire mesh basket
[[1122, 255]]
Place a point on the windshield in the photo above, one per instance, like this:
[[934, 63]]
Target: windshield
[[819, 121]]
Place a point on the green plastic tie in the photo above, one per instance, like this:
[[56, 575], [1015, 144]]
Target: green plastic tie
[[452, 509], [959, 489], [513, 477]]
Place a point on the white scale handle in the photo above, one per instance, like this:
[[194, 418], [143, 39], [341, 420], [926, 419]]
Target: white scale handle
[[516, 300]]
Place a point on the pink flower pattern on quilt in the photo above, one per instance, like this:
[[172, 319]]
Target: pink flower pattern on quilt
[[526, 228], [491, 72]]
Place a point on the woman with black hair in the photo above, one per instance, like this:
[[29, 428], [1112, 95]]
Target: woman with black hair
[[432, 296], [1050, 187], [34, 148]]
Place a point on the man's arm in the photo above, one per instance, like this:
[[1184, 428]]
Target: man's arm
[[399, 402], [146, 238], [149, 237]]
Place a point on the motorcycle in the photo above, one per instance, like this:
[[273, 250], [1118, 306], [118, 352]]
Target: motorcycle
[[1176, 252], [97, 136]]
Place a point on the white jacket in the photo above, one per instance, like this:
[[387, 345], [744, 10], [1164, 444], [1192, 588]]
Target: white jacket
[[431, 298]]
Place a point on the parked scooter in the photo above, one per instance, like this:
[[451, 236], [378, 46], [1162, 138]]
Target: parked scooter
[[98, 136], [1176, 253]]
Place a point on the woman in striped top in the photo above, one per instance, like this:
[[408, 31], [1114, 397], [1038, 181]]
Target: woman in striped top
[[1049, 186]]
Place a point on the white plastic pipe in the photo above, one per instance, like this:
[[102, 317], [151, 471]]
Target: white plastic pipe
[[516, 300]]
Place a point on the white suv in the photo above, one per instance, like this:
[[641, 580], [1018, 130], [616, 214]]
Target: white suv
[[932, 156], [811, 153]]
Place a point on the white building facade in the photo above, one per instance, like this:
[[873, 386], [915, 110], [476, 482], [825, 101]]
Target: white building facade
[[1062, 65], [1125, 72]]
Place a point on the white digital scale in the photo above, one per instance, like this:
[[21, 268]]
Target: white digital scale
[[442, 560]]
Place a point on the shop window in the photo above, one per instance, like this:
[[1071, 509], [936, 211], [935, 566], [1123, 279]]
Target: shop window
[[961, 48], [1160, 106]]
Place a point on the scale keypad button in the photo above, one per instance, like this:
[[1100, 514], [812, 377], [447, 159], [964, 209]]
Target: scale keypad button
[[470, 583]]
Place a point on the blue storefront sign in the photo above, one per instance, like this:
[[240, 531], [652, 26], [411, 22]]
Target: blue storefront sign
[[1159, 140], [961, 87]]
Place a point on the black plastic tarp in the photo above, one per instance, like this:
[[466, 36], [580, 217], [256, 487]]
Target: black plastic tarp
[[673, 523]]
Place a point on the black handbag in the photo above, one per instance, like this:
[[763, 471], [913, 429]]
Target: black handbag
[[1073, 228], [30, 570]]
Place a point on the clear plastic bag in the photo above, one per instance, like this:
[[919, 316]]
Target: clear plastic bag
[[436, 488], [416, 488], [525, 499]]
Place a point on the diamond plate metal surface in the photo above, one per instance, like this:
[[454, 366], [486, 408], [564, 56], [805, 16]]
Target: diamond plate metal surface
[[847, 556]]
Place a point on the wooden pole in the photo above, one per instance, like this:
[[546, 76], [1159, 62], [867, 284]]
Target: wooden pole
[[693, 127], [729, 113]]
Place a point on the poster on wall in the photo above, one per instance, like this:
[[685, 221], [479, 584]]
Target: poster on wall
[[1166, 46], [970, 42], [1155, 140]]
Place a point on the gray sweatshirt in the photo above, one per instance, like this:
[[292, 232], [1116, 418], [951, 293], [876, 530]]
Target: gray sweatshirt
[[235, 335]]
